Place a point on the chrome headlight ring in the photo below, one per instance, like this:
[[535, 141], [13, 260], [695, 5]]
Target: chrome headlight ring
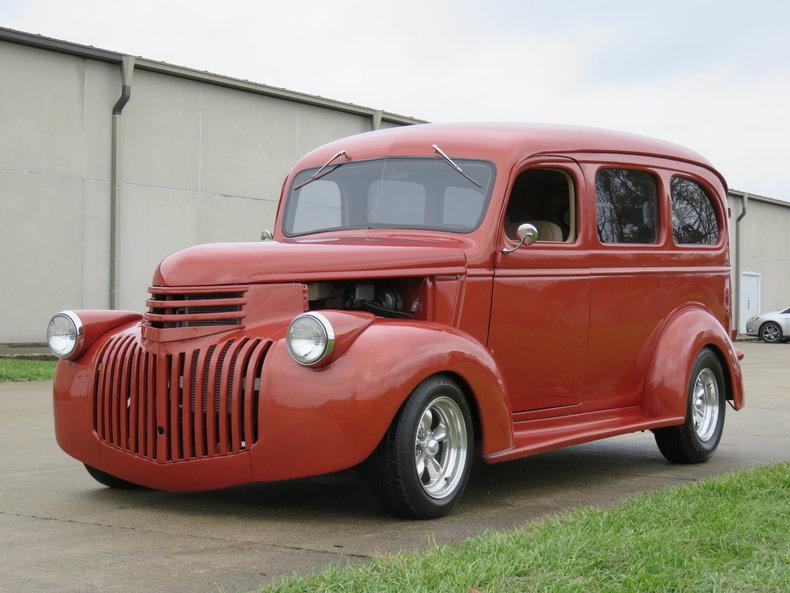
[[310, 338], [65, 334]]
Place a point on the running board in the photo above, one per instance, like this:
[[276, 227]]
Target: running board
[[544, 434]]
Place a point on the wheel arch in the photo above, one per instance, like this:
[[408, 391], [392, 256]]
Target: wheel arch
[[724, 367], [688, 331], [471, 400], [345, 408]]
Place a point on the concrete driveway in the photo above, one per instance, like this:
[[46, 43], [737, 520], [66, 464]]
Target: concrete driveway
[[61, 531]]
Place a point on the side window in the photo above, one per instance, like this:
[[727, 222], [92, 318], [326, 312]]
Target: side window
[[626, 206], [319, 207], [693, 215], [544, 198]]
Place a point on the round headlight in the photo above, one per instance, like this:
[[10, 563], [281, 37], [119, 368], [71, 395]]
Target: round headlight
[[64, 333], [310, 338]]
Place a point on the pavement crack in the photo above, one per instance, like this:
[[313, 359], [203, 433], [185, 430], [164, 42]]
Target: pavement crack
[[339, 554]]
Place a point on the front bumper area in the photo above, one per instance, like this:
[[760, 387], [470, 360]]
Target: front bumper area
[[168, 420]]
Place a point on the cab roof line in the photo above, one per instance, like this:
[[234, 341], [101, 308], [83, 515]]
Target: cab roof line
[[658, 155]]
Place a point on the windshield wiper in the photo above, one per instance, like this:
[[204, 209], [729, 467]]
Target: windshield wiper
[[453, 164], [318, 174]]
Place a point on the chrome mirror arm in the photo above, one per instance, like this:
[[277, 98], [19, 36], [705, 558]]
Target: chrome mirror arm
[[527, 234]]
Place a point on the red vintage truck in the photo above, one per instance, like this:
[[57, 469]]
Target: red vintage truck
[[429, 293]]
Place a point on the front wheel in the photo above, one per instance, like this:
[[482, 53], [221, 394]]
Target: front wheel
[[421, 466], [695, 440], [771, 333]]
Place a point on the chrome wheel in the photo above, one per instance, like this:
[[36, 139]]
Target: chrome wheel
[[440, 447], [705, 404], [771, 333]]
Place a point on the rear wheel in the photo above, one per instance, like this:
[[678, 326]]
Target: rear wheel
[[697, 439], [421, 467], [771, 332], [108, 480]]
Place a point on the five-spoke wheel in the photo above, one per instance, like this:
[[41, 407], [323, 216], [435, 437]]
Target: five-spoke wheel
[[697, 439], [421, 467], [440, 447]]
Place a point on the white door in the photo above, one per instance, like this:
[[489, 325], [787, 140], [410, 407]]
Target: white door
[[750, 297]]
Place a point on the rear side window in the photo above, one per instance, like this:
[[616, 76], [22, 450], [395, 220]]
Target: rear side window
[[626, 206], [693, 215]]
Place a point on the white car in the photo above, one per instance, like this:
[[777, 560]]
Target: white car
[[771, 327]]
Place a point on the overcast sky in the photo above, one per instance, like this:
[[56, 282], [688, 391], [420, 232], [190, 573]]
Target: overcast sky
[[714, 76]]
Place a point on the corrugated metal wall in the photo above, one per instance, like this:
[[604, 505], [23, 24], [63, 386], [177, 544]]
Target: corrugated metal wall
[[199, 163]]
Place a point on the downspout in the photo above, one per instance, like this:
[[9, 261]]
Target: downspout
[[375, 119], [744, 205], [127, 68]]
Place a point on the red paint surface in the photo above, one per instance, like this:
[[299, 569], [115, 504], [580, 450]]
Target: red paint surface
[[555, 344]]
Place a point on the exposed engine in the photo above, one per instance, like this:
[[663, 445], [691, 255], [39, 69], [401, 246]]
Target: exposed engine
[[380, 297]]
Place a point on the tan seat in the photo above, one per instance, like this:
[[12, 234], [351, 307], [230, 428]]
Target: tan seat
[[548, 231]]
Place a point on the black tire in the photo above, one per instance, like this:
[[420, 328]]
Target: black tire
[[771, 332], [682, 444], [396, 484], [110, 481]]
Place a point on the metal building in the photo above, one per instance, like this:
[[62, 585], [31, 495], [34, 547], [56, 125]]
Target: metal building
[[760, 255], [191, 157], [188, 157]]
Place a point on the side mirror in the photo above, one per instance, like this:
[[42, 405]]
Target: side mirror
[[266, 235], [527, 235]]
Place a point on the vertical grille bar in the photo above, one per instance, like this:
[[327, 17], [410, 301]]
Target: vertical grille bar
[[142, 420], [236, 394], [223, 414], [150, 450], [161, 409], [186, 404], [112, 361], [211, 402], [123, 409], [118, 392], [197, 401], [98, 411], [175, 397], [249, 390], [134, 396]]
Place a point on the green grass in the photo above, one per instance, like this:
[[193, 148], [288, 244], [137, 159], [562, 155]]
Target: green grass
[[729, 533], [14, 369]]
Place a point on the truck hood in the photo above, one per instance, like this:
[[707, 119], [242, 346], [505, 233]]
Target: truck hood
[[299, 261]]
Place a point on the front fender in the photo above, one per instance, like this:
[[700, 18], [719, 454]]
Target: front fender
[[319, 420], [685, 335]]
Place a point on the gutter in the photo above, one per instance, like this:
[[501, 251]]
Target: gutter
[[127, 69], [95, 53], [737, 307]]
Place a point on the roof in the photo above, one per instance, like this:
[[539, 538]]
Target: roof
[[775, 201], [511, 139], [95, 53]]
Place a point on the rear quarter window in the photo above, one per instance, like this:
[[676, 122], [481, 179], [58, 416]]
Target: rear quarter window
[[694, 219], [626, 206]]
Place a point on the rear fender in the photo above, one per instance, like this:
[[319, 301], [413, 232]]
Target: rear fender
[[688, 332], [318, 420]]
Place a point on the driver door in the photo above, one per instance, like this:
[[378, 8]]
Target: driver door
[[540, 309]]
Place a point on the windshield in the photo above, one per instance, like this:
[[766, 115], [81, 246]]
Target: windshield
[[394, 192]]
